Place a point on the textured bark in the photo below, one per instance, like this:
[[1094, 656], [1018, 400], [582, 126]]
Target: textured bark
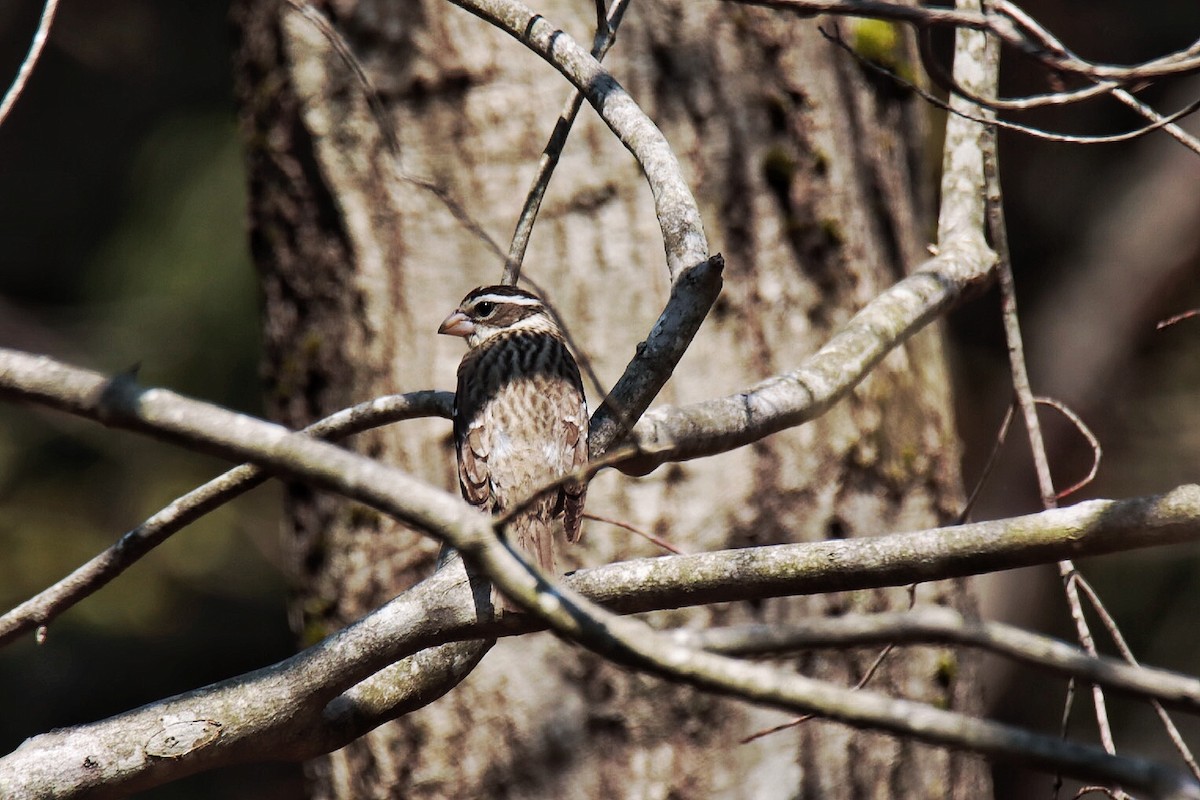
[[808, 173]]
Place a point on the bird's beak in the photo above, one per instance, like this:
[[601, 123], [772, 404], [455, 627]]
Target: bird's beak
[[457, 324]]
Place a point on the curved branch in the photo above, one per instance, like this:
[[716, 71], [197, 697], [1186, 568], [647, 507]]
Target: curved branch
[[239, 720], [30, 60], [606, 33], [964, 262], [678, 215], [695, 276], [677, 433], [45, 606]]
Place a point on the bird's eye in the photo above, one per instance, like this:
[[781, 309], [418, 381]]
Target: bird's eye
[[485, 309]]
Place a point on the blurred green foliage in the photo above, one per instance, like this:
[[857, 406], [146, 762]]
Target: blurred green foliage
[[122, 209]]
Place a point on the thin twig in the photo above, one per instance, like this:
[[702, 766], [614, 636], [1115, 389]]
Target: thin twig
[[990, 464], [1169, 321], [387, 129], [1123, 648], [31, 58], [1032, 41], [606, 34], [998, 234], [1120, 93], [1025, 401], [647, 535], [871, 670], [935, 70], [870, 673], [1070, 576], [582, 474], [1086, 432], [1157, 122]]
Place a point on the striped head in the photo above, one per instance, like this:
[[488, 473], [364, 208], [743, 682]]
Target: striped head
[[494, 310]]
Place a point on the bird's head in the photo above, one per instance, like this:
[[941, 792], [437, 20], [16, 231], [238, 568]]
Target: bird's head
[[494, 310]]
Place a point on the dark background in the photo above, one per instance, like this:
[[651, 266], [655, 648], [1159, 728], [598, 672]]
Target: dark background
[[122, 223]]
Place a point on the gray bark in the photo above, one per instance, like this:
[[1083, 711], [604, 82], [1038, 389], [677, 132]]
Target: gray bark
[[811, 180]]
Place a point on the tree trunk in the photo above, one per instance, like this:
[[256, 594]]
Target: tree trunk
[[810, 175]]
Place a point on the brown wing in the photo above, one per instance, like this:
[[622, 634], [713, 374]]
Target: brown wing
[[473, 477], [575, 426], [472, 440]]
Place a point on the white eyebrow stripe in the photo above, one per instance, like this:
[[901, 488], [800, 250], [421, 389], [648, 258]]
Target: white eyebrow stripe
[[501, 299]]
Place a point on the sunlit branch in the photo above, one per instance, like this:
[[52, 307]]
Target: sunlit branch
[[40, 610], [30, 60], [120, 402]]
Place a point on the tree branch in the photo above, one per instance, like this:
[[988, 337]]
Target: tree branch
[[336, 691], [30, 60], [929, 625], [40, 610], [121, 403], [678, 433], [678, 215]]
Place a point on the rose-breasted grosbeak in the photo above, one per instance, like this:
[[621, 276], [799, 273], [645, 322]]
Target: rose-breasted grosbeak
[[520, 416]]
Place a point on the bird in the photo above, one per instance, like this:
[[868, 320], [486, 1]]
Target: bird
[[520, 416]]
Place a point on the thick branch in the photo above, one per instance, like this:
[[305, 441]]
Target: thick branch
[[318, 687], [120, 402]]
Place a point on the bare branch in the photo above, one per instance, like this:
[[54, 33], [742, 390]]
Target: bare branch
[[930, 625], [647, 535], [1016, 30], [988, 466], [1182, 136], [31, 59], [1157, 120], [606, 34], [677, 433], [1086, 432], [1025, 401], [678, 215], [44, 607], [120, 402], [1177, 318], [1015, 27], [1090, 528]]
